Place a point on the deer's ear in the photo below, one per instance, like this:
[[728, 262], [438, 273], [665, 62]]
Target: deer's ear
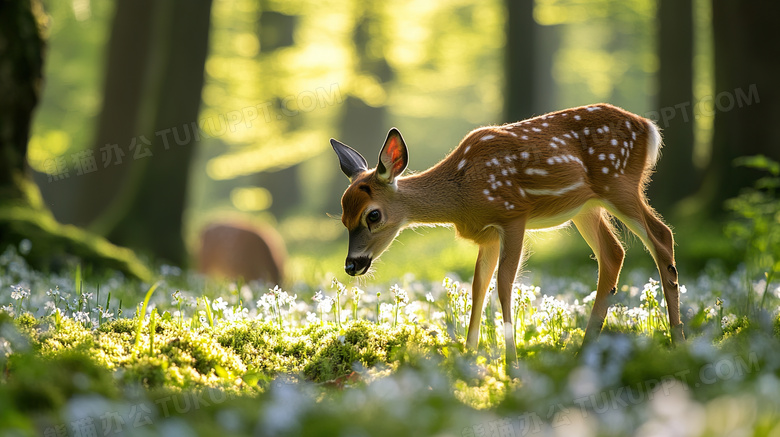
[[351, 161], [393, 158]]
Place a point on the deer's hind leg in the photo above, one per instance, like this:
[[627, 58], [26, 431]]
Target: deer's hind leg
[[595, 226], [643, 221]]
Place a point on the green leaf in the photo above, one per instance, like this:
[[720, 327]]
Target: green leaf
[[141, 315]]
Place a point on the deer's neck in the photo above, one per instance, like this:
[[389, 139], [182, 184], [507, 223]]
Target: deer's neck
[[429, 197]]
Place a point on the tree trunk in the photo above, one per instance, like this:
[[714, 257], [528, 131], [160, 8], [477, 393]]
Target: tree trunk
[[276, 31], [150, 215], [80, 200], [519, 60], [22, 214], [676, 177], [747, 62], [21, 79]]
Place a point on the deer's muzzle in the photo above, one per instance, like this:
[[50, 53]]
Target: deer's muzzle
[[357, 266]]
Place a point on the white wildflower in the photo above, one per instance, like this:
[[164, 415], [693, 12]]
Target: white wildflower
[[727, 320], [400, 294], [342, 289], [649, 291], [219, 304], [325, 304], [81, 317], [19, 292], [385, 308]]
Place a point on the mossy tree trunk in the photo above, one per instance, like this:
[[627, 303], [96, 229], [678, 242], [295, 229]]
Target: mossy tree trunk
[[21, 77], [22, 214]]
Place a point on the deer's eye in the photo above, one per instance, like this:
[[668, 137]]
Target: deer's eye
[[373, 217]]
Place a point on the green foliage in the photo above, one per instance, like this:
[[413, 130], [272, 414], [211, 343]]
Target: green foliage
[[756, 224]]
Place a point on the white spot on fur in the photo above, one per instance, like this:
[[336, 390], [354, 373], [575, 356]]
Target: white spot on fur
[[524, 155], [558, 192], [611, 156], [467, 149], [601, 157], [495, 161], [614, 142], [536, 129], [606, 128], [488, 137], [536, 171], [545, 124], [586, 131], [605, 170], [461, 164], [577, 117]]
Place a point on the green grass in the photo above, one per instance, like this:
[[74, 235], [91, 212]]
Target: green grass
[[193, 356]]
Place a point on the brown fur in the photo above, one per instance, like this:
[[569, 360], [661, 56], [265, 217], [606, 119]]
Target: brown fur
[[236, 250]]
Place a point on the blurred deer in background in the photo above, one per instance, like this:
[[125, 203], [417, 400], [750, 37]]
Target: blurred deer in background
[[584, 165], [240, 250]]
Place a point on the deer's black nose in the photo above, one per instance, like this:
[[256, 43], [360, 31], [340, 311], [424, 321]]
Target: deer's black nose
[[357, 266]]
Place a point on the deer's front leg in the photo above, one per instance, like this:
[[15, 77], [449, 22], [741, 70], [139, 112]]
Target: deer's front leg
[[511, 254], [483, 272]]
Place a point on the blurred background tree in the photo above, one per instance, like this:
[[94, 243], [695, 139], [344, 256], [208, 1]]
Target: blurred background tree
[[23, 216], [260, 86]]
